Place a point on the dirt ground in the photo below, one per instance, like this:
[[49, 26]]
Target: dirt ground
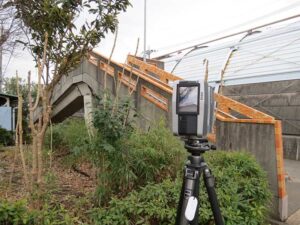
[[66, 183]]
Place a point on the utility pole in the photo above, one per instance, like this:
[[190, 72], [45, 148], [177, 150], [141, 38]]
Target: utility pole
[[145, 29]]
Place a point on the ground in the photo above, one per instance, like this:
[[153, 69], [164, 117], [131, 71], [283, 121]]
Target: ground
[[74, 187], [71, 186], [292, 168]]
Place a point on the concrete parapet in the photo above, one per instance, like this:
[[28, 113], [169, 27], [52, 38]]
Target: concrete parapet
[[260, 140]]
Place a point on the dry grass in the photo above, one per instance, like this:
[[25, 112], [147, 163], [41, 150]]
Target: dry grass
[[62, 183]]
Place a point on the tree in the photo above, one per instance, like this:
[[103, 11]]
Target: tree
[[58, 40], [10, 31]]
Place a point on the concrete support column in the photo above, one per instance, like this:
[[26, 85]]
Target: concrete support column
[[88, 113], [87, 94]]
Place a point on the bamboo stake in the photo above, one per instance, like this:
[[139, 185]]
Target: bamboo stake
[[108, 64], [131, 68]]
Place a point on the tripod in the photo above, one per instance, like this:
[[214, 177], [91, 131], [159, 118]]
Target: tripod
[[188, 207]]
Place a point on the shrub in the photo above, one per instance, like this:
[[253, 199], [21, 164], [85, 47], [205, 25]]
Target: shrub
[[112, 119], [69, 134], [52, 215], [241, 187], [6, 137], [17, 213], [155, 155], [138, 158], [58, 142]]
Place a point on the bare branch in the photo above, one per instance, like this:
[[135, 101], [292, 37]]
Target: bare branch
[[109, 59], [131, 67], [40, 72]]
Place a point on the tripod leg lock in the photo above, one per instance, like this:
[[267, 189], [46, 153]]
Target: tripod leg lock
[[210, 179]]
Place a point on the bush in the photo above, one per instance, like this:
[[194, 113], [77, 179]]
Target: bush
[[69, 134], [241, 187], [124, 156], [6, 137], [53, 215], [155, 155], [17, 213], [112, 119], [135, 159]]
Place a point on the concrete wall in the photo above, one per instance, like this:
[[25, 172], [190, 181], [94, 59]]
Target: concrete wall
[[280, 99], [149, 113], [68, 97], [259, 140]]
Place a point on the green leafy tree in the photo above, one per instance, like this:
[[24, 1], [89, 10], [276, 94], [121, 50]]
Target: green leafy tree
[[59, 37]]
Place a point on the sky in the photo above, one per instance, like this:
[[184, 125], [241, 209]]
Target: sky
[[174, 24]]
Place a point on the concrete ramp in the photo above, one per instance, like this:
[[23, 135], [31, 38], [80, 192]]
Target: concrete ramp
[[242, 128], [238, 126], [145, 83]]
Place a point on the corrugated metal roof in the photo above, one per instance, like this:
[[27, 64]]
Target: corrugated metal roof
[[271, 55]]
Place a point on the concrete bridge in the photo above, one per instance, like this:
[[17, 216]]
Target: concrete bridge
[[147, 84], [149, 91]]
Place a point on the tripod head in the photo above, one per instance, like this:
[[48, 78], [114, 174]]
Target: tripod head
[[198, 146]]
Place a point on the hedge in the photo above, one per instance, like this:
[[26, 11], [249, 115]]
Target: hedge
[[241, 187]]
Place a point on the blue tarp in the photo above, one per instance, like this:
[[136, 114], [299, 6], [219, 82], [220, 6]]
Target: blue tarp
[[6, 118]]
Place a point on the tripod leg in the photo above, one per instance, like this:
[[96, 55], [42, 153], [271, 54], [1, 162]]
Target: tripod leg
[[190, 187], [209, 181]]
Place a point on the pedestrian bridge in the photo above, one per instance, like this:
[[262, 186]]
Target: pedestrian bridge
[[238, 126]]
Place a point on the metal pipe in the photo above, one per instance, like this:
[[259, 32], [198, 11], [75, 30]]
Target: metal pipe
[[145, 29], [227, 36]]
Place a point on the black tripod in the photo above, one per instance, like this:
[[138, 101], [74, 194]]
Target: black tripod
[[188, 208]]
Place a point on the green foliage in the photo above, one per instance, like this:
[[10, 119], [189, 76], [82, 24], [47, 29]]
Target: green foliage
[[128, 158], [114, 126], [153, 204], [6, 137], [53, 215], [17, 213], [125, 158], [241, 187], [137, 173], [69, 134], [68, 39], [155, 154], [112, 120], [58, 141], [10, 87]]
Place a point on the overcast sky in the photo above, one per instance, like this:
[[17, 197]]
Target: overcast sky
[[172, 24]]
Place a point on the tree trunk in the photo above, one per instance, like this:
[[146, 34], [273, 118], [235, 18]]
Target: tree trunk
[[39, 158], [34, 158], [19, 135], [20, 146]]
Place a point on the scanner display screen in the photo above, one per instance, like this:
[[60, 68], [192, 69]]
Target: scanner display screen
[[188, 99]]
